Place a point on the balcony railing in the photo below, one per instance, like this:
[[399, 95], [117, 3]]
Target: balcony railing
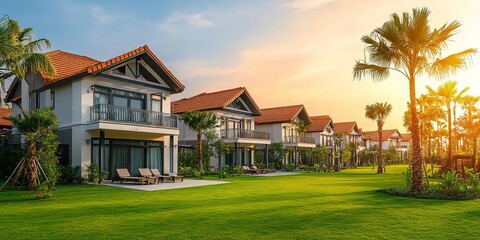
[[299, 139], [132, 115], [243, 133]]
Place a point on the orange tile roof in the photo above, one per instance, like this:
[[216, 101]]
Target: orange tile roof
[[5, 112], [406, 136], [285, 114], [213, 100], [386, 134], [344, 127], [69, 64], [319, 123]]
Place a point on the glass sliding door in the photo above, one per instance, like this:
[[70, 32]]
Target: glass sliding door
[[120, 157], [137, 160], [155, 158]]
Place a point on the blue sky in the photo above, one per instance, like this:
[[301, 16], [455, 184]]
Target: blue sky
[[285, 52]]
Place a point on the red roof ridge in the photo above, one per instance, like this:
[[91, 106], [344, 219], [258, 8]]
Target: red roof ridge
[[297, 105], [321, 116], [220, 91], [75, 54]]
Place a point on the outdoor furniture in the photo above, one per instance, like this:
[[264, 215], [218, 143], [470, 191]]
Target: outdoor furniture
[[250, 170], [145, 172], [171, 177], [259, 170], [124, 175]]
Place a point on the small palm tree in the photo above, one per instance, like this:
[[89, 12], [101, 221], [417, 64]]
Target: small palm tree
[[200, 122], [33, 125], [379, 112], [448, 94], [408, 45], [301, 127]]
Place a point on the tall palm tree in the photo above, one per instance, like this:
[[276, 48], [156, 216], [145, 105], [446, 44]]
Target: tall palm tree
[[33, 125], [200, 122], [448, 94], [378, 112], [20, 53], [408, 45]]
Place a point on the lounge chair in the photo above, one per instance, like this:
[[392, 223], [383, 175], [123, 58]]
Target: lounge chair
[[247, 169], [124, 175], [259, 170], [172, 177], [145, 172]]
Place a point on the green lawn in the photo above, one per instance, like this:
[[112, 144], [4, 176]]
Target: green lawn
[[306, 206]]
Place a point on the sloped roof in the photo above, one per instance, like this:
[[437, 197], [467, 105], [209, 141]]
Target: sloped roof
[[285, 114], [5, 112], [345, 127], [319, 123], [386, 134], [406, 136], [214, 100], [69, 64]]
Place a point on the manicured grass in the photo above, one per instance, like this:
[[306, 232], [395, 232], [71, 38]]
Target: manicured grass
[[307, 206]]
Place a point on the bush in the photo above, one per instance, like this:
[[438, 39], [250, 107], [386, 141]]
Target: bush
[[10, 156], [95, 175], [289, 167], [223, 172], [69, 174]]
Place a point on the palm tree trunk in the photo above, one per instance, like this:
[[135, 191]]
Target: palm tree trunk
[[199, 152], [416, 162], [31, 183], [380, 157], [449, 147]]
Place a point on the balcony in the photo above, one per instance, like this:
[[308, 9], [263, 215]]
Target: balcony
[[299, 139], [132, 116], [243, 133]]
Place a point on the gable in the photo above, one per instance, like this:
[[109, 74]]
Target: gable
[[239, 105], [137, 69]]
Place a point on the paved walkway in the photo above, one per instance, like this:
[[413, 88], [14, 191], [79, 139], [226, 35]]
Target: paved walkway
[[275, 174], [164, 186]]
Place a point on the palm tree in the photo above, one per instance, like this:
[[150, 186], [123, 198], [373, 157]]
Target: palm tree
[[406, 44], [448, 94], [200, 122], [471, 120], [33, 125], [379, 112], [19, 53]]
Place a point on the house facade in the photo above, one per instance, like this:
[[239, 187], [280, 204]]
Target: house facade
[[390, 138], [351, 133], [322, 131], [113, 113], [279, 123], [5, 125], [235, 110]]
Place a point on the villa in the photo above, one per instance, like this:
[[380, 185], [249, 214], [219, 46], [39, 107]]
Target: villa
[[279, 123], [5, 125], [322, 131], [236, 111], [390, 138], [113, 113], [350, 130]]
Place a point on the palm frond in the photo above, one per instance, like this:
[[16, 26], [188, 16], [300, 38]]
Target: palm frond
[[444, 67], [377, 73]]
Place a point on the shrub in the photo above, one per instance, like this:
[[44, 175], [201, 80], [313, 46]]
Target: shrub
[[448, 181], [95, 175], [317, 167], [407, 176], [223, 172], [289, 167]]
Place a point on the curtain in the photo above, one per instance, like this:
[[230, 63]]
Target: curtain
[[155, 158], [136, 160], [120, 157]]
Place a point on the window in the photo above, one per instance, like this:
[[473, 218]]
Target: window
[[116, 97], [156, 103], [52, 97]]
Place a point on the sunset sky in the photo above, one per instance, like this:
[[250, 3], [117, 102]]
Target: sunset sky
[[285, 52]]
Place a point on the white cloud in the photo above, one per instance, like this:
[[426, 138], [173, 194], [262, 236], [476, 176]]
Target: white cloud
[[100, 15], [195, 19], [306, 5]]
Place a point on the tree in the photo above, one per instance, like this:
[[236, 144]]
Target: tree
[[338, 138], [199, 122], [378, 112], [448, 94], [301, 127], [276, 153], [19, 53], [408, 45], [35, 126]]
